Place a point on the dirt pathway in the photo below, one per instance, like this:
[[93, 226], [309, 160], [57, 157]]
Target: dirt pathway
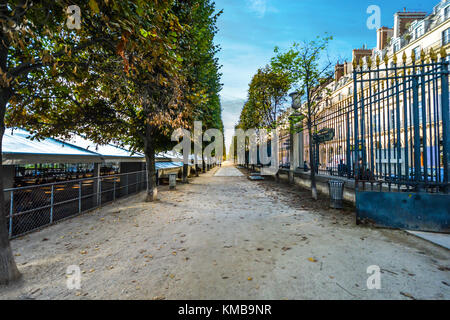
[[225, 237]]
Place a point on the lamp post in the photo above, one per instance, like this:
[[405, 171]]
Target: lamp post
[[295, 105]]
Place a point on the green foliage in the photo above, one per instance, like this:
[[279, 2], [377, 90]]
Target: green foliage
[[144, 66], [266, 97], [310, 74], [308, 71], [135, 71]]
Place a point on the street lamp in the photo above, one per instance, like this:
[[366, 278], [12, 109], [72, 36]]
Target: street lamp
[[296, 100], [296, 105]]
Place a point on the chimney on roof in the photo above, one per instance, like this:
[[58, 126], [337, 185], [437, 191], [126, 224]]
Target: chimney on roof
[[383, 34], [358, 54], [402, 19], [338, 72]]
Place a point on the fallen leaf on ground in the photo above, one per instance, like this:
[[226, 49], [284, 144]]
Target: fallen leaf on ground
[[407, 295], [312, 260]]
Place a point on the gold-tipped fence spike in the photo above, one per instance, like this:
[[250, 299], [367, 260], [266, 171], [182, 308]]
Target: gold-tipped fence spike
[[394, 58], [361, 63], [433, 55], [386, 60], [369, 62], [377, 61], [355, 64], [422, 56], [413, 56], [443, 53], [404, 57]]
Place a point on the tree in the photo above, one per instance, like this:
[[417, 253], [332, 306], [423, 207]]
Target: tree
[[121, 77], [200, 63], [34, 42], [51, 74], [266, 96], [146, 78], [129, 86], [310, 74]]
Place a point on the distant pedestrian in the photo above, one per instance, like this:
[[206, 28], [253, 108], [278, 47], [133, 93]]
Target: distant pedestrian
[[305, 166]]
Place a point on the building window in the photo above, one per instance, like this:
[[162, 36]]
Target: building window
[[396, 47], [446, 36], [420, 31], [416, 51], [446, 13]]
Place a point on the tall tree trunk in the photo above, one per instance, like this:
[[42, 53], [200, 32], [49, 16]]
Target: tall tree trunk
[[152, 190], [8, 268], [185, 173]]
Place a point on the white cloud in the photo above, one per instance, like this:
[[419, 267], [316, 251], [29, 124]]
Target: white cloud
[[258, 6]]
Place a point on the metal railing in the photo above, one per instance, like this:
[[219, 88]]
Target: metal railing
[[34, 207], [394, 132]]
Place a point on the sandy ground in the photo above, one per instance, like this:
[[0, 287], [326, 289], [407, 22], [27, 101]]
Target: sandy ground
[[226, 237]]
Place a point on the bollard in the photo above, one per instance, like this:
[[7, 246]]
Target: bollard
[[172, 181], [336, 190]]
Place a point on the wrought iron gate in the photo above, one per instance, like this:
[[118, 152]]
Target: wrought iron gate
[[400, 143]]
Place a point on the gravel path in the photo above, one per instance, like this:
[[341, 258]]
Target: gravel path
[[223, 236], [228, 172]]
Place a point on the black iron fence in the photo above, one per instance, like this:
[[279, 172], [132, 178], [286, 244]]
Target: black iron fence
[[34, 207], [394, 131]]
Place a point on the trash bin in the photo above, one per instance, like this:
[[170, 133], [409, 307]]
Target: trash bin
[[336, 189], [172, 180]]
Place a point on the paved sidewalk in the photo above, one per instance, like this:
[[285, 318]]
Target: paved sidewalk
[[225, 237], [440, 239]]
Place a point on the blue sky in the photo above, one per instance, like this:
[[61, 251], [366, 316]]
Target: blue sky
[[250, 29]]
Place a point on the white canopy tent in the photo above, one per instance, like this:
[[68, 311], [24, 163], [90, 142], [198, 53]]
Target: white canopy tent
[[19, 148]]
